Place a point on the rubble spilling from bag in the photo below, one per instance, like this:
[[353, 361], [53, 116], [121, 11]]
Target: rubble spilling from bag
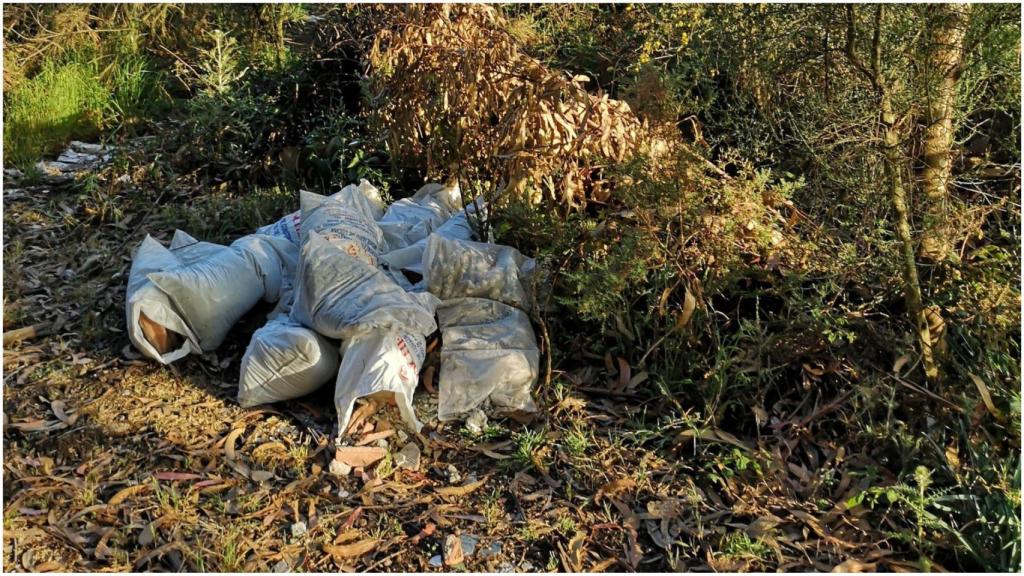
[[359, 287]]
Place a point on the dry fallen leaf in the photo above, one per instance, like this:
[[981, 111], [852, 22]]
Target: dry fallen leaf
[[854, 565], [126, 493], [461, 490], [614, 487], [355, 550]]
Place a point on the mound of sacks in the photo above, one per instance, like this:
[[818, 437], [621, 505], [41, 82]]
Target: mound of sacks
[[358, 288]]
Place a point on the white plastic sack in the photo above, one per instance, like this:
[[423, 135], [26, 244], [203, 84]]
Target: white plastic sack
[[273, 258], [283, 361], [379, 362], [489, 358], [407, 222], [410, 258], [448, 196], [347, 228], [461, 268], [212, 294], [143, 297], [363, 197], [340, 296], [188, 250]]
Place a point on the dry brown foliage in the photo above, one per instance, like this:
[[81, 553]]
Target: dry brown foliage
[[453, 92]]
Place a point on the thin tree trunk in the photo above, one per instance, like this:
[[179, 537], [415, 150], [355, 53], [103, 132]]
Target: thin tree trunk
[[897, 194], [948, 23], [898, 197]]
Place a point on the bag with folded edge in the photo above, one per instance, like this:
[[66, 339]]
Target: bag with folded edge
[[489, 358], [449, 195], [363, 197], [347, 228], [462, 268], [410, 258], [145, 303], [340, 296], [211, 294], [379, 362], [410, 220], [407, 222], [274, 259], [285, 360]]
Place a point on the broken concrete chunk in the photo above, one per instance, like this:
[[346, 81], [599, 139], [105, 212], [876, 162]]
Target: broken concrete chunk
[[358, 456]]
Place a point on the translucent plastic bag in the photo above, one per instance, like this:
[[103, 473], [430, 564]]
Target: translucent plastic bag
[[489, 358], [379, 362], [461, 268], [340, 296], [285, 360], [150, 313]]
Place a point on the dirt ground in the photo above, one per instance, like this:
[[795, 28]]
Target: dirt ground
[[112, 462]]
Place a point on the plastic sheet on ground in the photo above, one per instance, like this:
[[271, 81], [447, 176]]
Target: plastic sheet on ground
[[489, 358]]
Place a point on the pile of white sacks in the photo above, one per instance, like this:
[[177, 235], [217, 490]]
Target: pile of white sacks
[[357, 289]]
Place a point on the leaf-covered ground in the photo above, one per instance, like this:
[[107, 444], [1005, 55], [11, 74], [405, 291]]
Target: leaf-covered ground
[[112, 462]]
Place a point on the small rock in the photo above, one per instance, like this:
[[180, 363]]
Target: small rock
[[282, 566], [402, 436], [382, 443], [339, 468], [476, 422], [492, 551], [342, 493], [454, 476], [298, 529], [506, 567], [435, 561], [468, 544], [408, 457], [527, 566], [453, 551]]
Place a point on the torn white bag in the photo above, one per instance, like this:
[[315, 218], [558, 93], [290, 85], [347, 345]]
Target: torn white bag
[[347, 228], [212, 293], [143, 297], [340, 296], [379, 362], [489, 358], [285, 360], [461, 268]]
